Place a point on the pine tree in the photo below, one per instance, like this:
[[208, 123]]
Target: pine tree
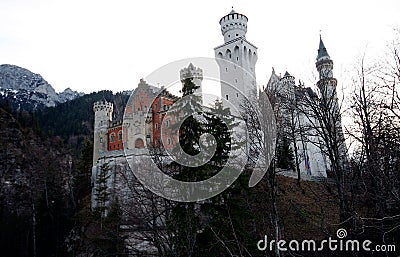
[[285, 157], [184, 222], [110, 240], [101, 190], [190, 130], [219, 124], [83, 172], [195, 225]]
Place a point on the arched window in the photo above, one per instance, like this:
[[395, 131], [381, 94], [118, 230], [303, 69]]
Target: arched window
[[139, 143], [120, 135], [228, 54], [250, 55], [236, 52], [112, 137]]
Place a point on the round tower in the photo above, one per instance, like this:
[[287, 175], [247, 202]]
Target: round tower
[[233, 25], [236, 59], [195, 73], [327, 83], [288, 84], [324, 63], [102, 117]]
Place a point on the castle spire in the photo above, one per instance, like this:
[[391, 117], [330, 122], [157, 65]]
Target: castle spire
[[322, 52]]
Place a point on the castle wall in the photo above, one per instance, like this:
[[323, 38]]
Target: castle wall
[[115, 139]]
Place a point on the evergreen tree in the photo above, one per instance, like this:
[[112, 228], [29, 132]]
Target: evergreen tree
[[219, 122], [198, 228], [191, 129], [285, 157], [110, 240], [101, 190], [184, 221], [83, 172]]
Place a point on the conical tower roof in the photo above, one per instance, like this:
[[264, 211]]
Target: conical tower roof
[[322, 52]]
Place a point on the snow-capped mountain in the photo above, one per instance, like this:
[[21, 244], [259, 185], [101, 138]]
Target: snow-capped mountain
[[29, 91]]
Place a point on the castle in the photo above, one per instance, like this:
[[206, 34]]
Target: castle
[[117, 141]]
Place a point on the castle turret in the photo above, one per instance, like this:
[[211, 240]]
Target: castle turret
[[234, 54], [327, 83], [102, 118], [195, 73], [288, 84]]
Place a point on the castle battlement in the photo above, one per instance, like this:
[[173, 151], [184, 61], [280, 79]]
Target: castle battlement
[[103, 106], [234, 22], [191, 72]]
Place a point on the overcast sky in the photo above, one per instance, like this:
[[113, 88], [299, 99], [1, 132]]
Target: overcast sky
[[89, 45]]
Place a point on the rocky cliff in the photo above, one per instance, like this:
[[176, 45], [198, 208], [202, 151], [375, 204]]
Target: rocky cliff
[[23, 89]]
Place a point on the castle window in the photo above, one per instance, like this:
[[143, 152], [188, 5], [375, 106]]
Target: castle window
[[156, 126], [226, 69], [227, 97], [101, 140], [120, 135], [229, 53], [167, 123], [169, 141], [237, 35], [237, 94], [237, 58], [236, 80], [112, 137]]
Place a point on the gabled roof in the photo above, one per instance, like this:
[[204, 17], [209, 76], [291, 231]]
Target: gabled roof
[[273, 80]]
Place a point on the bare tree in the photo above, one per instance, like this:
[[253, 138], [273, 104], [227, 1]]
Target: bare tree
[[145, 214], [322, 112], [376, 110], [260, 123]]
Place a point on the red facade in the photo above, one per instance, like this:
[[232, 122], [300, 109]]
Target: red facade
[[162, 123], [139, 105], [115, 138]]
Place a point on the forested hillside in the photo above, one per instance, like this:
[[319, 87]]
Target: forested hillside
[[73, 120], [35, 189]]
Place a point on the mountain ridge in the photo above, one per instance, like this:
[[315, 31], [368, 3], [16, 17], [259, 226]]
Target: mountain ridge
[[23, 89]]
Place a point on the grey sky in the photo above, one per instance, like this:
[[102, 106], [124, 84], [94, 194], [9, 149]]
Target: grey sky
[[90, 45]]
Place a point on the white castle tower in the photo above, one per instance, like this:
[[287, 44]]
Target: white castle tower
[[237, 52], [195, 73], [102, 117], [327, 83]]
